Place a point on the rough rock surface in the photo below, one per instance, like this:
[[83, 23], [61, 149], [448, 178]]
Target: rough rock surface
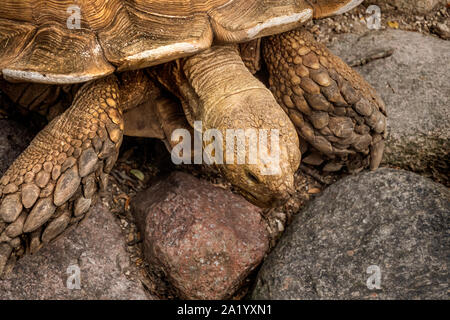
[[391, 219], [415, 86], [204, 239], [416, 6], [97, 246]]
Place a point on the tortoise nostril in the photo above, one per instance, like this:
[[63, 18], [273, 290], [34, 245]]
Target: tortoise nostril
[[253, 178]]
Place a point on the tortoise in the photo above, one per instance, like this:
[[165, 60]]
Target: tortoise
[[116, 59]]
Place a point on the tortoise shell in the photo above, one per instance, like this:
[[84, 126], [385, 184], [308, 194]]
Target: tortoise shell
[[59, 42]]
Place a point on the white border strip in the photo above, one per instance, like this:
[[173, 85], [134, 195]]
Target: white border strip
[[278, 21]]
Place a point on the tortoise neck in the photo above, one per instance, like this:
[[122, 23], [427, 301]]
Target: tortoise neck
[[218, 73]]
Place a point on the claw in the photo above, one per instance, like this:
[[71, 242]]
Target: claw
[[53, 183]]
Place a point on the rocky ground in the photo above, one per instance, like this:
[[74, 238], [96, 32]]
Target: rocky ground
[[391, 223], [407, 60], [431, 19]]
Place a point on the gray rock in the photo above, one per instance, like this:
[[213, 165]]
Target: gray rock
[[203, 239], [97, 247], [415, 86], [416, 6], [391, 219]]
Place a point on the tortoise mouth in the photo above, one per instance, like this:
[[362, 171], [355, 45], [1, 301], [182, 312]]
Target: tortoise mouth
[[262, 202], [254, 199]]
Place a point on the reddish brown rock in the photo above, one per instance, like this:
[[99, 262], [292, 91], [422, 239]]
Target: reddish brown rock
[[205, 239]]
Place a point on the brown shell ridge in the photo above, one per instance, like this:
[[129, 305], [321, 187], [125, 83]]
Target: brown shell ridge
[[241, 20], [13, 39], [55, 56], [131, 34]]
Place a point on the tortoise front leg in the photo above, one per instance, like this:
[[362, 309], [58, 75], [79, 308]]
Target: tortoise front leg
[[54, 182], [333, 108]]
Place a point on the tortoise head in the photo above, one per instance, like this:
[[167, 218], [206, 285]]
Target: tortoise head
[[266, 184], [261, 151]]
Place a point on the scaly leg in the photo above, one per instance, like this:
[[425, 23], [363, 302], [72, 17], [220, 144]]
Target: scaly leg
[[54, 182], [333, 108]]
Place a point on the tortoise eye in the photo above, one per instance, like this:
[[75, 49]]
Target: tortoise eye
[[252, 177]]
